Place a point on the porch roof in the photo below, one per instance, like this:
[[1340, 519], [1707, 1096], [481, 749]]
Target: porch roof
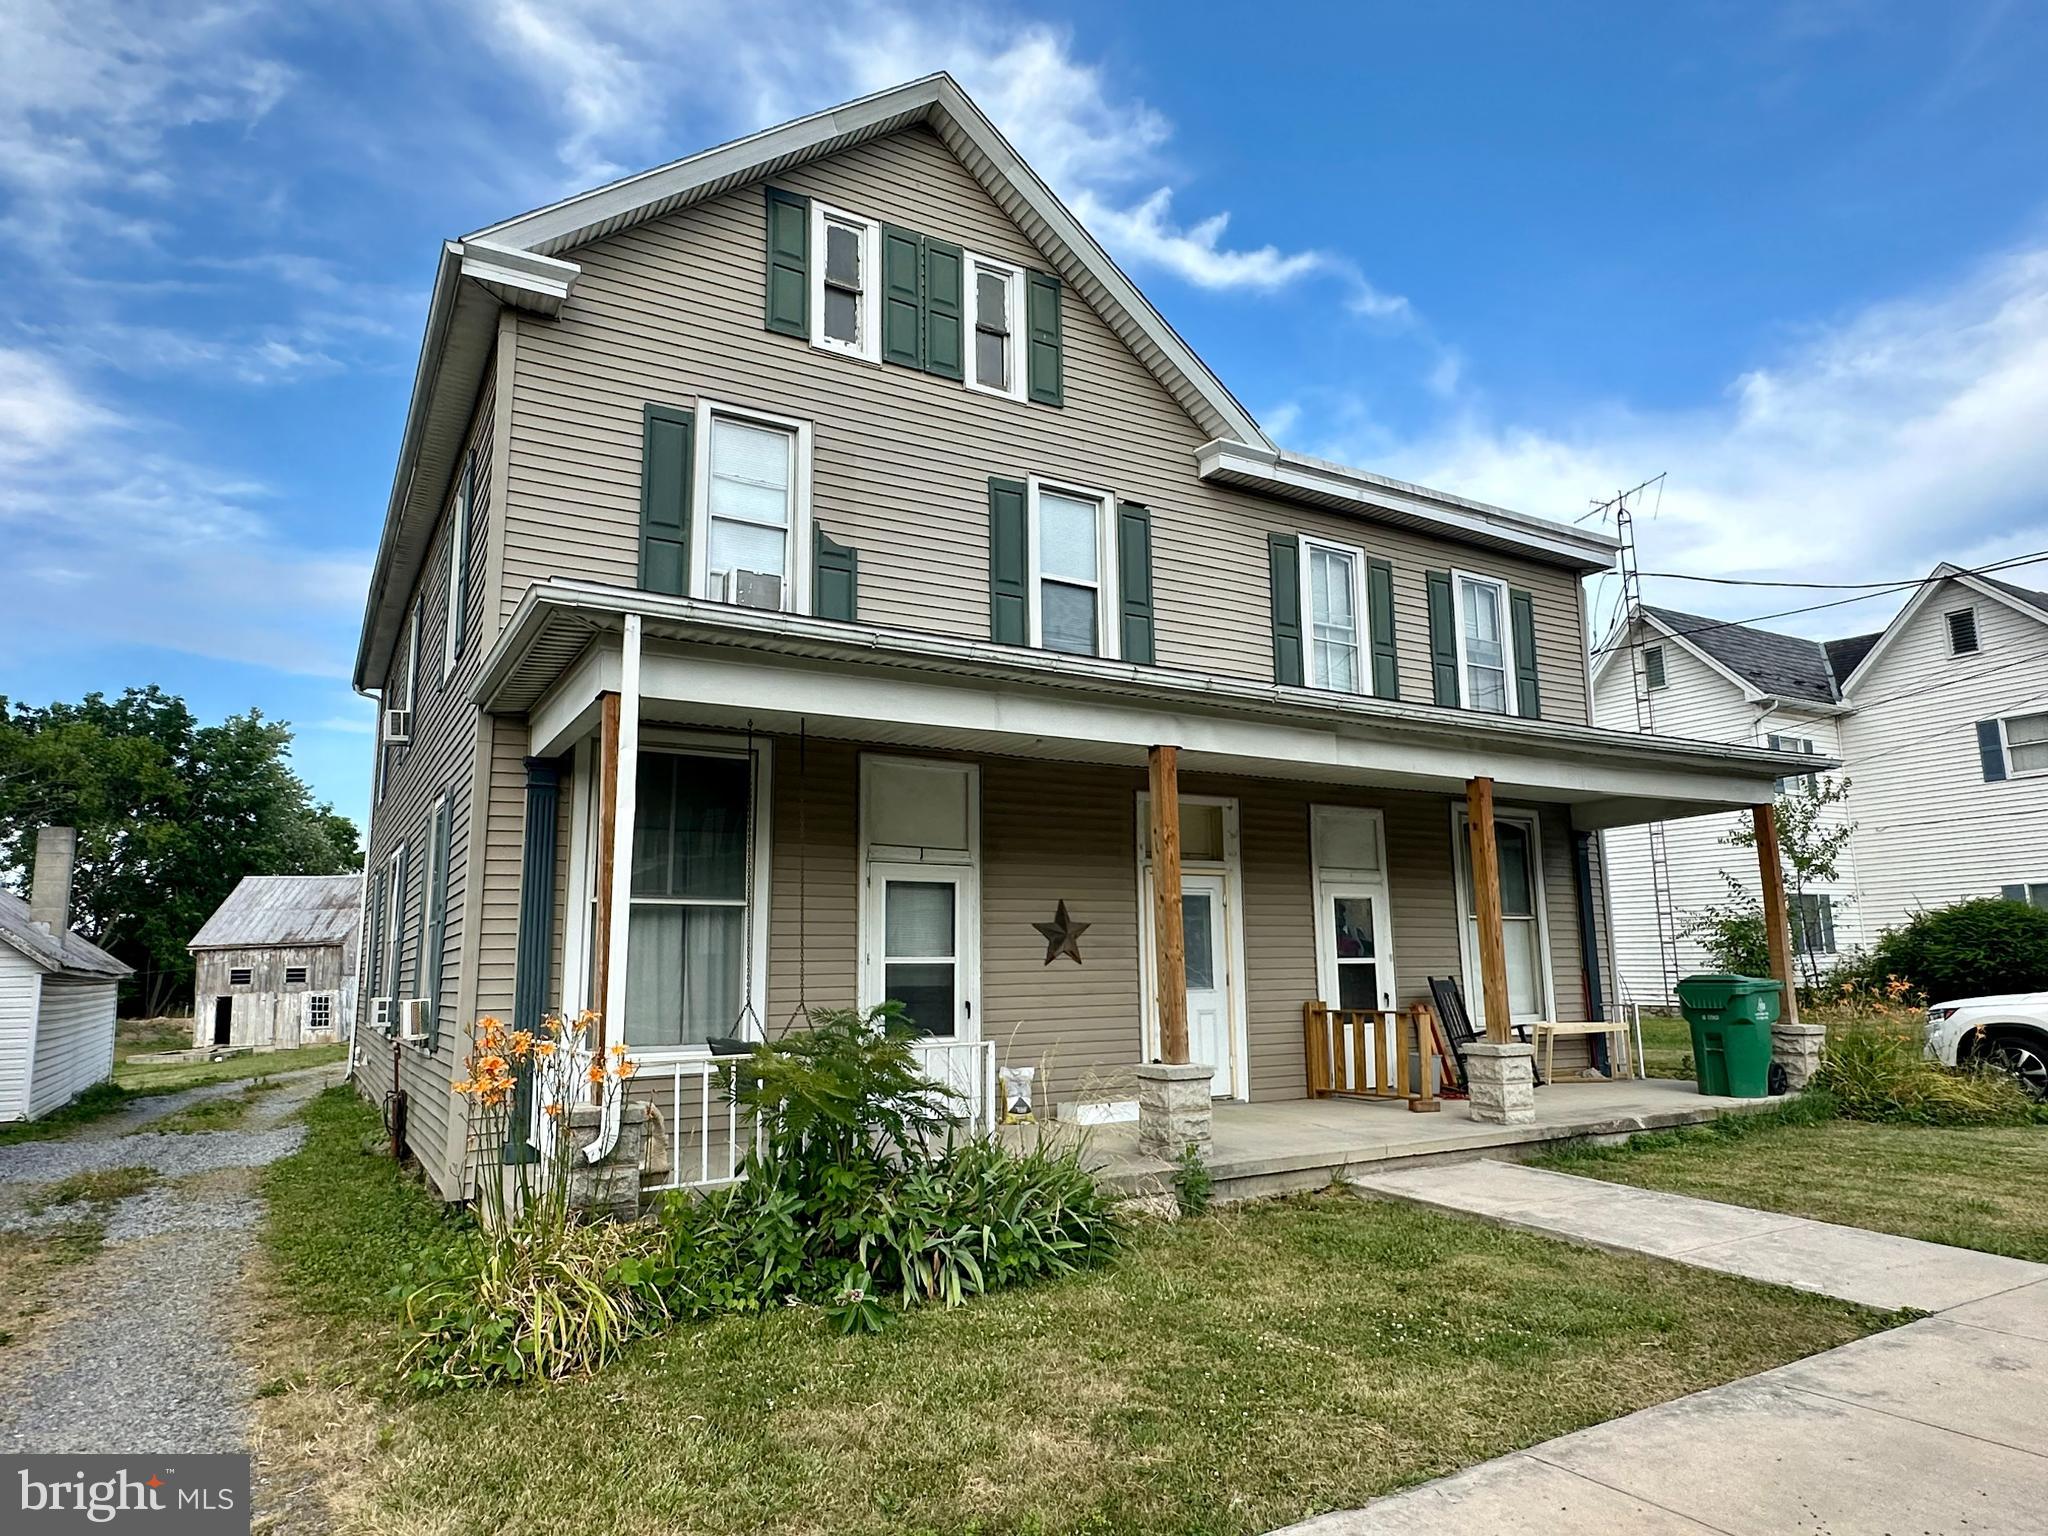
[[715, 664]]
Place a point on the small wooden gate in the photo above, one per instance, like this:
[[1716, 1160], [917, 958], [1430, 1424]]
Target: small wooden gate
[[1364, 1053]]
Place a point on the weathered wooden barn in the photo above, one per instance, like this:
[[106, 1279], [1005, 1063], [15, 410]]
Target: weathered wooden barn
[[58, 992], [275, 966]]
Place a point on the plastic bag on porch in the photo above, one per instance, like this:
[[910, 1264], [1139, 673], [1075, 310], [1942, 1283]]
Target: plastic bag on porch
[[1018, 1085]]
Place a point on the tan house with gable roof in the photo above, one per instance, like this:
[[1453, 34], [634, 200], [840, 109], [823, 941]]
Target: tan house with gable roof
[[807, 564]]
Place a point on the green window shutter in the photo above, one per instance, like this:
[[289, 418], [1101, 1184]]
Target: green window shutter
[[437, 923], [835, 578], [902, 297], [1991, 751], [665, 500], [377, 937], [1522, 614], [1379, 603], [788, 304], [1009, 578], [1134, 580], [1443, 638], [1283, 553], [945, 343], [1042, 337]]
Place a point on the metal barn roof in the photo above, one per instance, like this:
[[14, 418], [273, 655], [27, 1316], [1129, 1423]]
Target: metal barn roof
[[284, 909]]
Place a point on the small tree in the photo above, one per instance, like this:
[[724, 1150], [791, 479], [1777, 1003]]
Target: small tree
[[1809, 845], [1733, 933]]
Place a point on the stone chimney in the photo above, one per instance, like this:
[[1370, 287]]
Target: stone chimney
[[49, 900]]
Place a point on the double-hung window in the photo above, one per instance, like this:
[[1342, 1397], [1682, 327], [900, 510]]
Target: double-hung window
[[2026, 744], [1486, 661], [753, 484], [1072, 555], [1333, 576], [995, 296], [1813, 924], [845, 295], [686, 946]]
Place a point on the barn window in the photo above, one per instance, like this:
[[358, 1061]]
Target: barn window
[[295, 975], [319, 1011], [239, 976]]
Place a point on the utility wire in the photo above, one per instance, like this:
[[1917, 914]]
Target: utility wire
[[1784, 613], [1838, 586]]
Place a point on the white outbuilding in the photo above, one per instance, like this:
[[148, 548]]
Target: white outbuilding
[[58, 992]]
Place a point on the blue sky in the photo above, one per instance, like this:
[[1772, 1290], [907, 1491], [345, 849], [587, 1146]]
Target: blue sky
[[1793, 255]]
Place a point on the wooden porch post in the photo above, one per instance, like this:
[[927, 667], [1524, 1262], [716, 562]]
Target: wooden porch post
[[1163, 764], [607, 830], [1493, 953], [1777, 926]]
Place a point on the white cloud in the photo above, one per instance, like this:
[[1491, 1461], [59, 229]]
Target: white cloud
[[113, 539], [1906, 434], [619, 74]]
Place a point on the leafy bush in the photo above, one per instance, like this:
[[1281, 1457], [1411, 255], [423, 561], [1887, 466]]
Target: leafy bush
[[1733, 934], [860, 1194], [1882, 1074], [1192, 1181], [1972, 949]]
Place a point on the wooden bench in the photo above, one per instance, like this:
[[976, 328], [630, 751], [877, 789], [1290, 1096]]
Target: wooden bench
[[1545, 1034]]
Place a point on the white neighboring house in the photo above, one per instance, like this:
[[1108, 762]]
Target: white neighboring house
[[57, 991], [1940, 723]]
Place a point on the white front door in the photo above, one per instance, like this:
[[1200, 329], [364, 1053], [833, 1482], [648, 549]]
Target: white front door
[[1207, 963], [921, 929]]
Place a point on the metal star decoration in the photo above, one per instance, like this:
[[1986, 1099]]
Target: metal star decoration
[[1062, 935]]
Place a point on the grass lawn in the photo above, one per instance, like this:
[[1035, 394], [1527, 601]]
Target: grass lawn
[[132, 1081], [1227, 1374], [1667, 1046], [1973, 1188], [134, 1037]]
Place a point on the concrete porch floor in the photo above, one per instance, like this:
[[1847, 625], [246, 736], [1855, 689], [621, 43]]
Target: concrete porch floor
[[1274, 1148]]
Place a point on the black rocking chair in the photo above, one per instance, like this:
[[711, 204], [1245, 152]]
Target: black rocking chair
[[1458, 1031]]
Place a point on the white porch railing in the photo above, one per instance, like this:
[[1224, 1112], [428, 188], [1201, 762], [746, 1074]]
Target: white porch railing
[[708, 1137]]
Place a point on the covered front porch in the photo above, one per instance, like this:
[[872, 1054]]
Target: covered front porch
[[1116, 875], [1277, 1148]]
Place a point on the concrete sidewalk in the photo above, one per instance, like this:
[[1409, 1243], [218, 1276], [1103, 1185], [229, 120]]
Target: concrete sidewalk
[[1939, 1427]]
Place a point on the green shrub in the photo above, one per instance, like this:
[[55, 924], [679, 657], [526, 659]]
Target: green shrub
[[1883, 1074], [1192, 1181], [1733, 934], [1972, 949]]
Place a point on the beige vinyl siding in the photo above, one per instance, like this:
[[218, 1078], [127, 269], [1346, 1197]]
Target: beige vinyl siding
[[671, 310], [74, 1040], [814, 915], [439, 759]]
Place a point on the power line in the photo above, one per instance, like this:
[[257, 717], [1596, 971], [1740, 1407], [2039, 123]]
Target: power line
[[1838, 586], [1839, 602]]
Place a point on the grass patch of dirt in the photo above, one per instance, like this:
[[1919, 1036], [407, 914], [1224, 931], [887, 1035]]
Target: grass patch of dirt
[[139, 1037], [32, 1266], [99, 1186], [1229, 1374], [1970, 1187]]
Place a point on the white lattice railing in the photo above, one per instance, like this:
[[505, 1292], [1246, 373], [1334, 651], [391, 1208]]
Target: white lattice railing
[[708, 1136]]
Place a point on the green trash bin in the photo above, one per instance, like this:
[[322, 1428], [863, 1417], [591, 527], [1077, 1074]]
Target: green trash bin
[[1731, 1019]]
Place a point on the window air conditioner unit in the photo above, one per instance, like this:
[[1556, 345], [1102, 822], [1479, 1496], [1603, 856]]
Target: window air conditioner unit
[[398, 725], [413, 1014], [753, 589]]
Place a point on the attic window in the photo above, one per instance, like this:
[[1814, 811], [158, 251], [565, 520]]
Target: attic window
[[1653, 666], [295, 975], [239, 976], [995, 295], [843, 303], [1962, 632]]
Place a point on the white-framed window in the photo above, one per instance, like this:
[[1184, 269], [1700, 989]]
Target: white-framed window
[[1653, 667], [1524, 923], [457, 574], [995, 321], [320, 1011], [1962, 632], [1354, 930], [2026, 744], [1486, 652], [920, 944], [2034, 893], [1073, 561], [1794, 744], [240, 976], [1333, 581], [750, 539], [1813, 923], [846, 307], [696, 938]]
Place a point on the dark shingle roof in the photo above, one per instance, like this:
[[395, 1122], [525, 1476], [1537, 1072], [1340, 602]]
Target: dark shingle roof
[[2027, 595], [1783, 666], [65, 952], [1844, 654]]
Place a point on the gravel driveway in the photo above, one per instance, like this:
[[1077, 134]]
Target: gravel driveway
[[137, 1353]]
